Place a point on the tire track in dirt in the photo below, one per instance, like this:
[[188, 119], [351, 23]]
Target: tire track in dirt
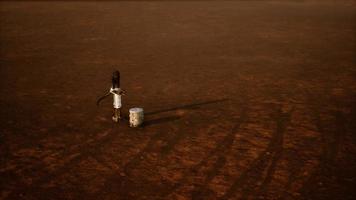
[[282, 121], [161, 134], [331, 140], [265, 161], [137, 158], [33, 142], [121, 182], [125, 183], [74, 157], [219, 152], [171, 142], [295, 168]]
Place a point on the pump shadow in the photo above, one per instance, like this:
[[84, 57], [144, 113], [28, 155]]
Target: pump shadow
[[188, 106], [175, 117], [161, 120]]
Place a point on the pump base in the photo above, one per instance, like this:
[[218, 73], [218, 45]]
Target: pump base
[[116, 115]]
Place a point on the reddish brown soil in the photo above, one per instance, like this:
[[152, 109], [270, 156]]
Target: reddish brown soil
[[243, 100]]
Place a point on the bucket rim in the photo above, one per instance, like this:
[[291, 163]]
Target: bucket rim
[[135, 110]]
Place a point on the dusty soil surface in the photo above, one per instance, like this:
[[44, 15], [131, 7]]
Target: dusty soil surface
[[243, 100]]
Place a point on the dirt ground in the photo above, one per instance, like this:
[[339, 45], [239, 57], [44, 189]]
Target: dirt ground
[[243, 100]]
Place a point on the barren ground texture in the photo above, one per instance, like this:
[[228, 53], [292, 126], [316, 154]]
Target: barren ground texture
[[242, 100]]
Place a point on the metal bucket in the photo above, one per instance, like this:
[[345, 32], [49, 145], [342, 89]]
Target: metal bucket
[[136, 117]]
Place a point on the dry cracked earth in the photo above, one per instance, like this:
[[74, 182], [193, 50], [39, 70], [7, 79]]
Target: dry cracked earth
[[242, 100]]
